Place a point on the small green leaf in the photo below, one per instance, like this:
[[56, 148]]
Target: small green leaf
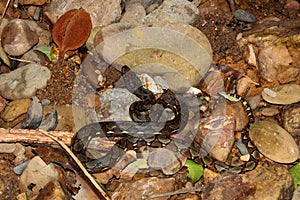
[[295, 173], [46, 50], [195, 170]]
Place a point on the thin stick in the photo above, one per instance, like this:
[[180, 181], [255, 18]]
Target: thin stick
[[86, 173], [4, 12]]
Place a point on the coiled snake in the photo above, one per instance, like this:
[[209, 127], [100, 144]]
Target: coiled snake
[[143, 130]]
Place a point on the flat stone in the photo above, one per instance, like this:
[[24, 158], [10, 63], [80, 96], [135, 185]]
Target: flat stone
[[283, 94], [24, 82], [274, 142], [17, 37], [174, 10], [15, 109], [7, 147], [153, 50]]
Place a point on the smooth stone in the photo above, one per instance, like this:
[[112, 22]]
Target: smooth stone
[[174, 10], [15, 109], [274, 142], [17, 37], [7, 147], [23, 82], [283, 94], [244, 16], [155, 51]]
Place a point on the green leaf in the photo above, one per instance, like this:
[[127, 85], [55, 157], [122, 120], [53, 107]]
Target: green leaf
[[295, 173], [46, 50], [195, 170]]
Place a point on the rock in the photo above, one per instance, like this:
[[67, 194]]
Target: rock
[[266, 179], [3, 103], [4, 58], [103, 12], [292, 4], [283, 94], [229, 185], [64, 115], [270, 112], [168, 161], [296, 195], [24, 82], [216, 135], [38, 173], [44, 35], [15, 109], [34, 56], [244, 16], [269, 49], [17, 38], [7, 147], [174, 10], [134, 13], [291, 119], [137, 189], [155, 51], [274, 142]]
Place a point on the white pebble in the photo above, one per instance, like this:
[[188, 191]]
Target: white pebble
[[270, 92]]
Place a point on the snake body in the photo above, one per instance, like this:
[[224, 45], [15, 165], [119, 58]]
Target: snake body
[[142, 130]]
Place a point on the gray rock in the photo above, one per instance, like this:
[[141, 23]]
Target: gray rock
[[102, 12], [24, 81], [174, 10], [17, 37], [244, 16]]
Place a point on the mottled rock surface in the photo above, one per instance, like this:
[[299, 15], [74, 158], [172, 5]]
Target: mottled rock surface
[[24, 82]]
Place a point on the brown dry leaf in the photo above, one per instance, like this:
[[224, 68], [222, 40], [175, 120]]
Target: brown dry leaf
[[71, 30]]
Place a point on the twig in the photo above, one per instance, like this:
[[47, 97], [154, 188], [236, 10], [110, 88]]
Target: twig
[[5, 9], [21, 60], [33, 136], [86, 173], [151, 196]]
